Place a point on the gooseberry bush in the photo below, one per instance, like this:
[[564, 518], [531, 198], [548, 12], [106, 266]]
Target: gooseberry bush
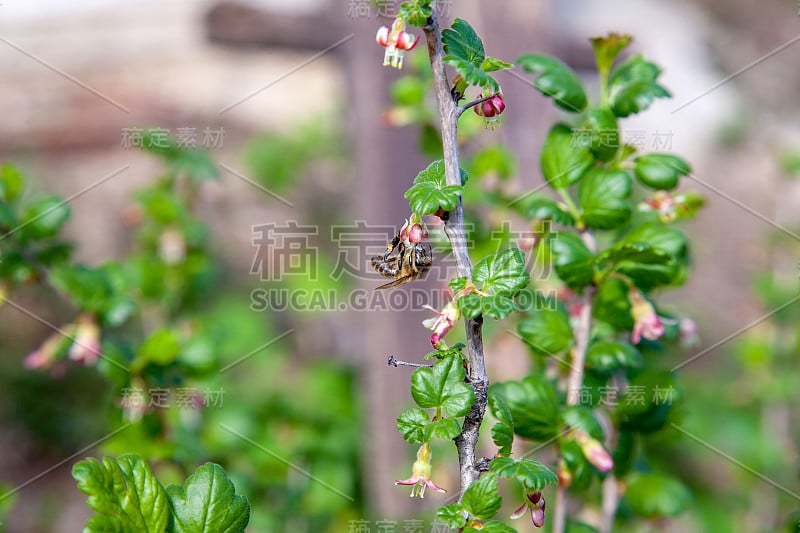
[[601, 244]]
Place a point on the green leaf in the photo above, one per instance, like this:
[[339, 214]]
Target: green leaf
[[603, 196], [611, 304], [472, 74], [412, 424], [88, 288], [556, 80], [582, 471], [632, 86], [538, 208], [415, 13], [431, 192], [503, 272], [443, 386], [481, 499], [606, 357], [44, 217], [461, 41], [208, 503], [470, 305], [580, 527], [660, 171], [564, 161], [124, 493], [453, 350], [492, 64], [547, 329], [457, 284], [534, 407], [603, 134], [491, 526], [654, 495], [533, 475], [581, 417], [503, 430], [11, 183], [572, 260], [452, 515], [606, 49], [161, 347], [497, 306], [636, 252], [663, 239], [444, 428]]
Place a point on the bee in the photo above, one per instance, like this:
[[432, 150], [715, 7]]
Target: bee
[[405, 259]]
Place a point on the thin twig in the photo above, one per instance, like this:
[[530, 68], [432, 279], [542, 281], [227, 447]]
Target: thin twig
[[454, 229], [582, 332], [460, 109]]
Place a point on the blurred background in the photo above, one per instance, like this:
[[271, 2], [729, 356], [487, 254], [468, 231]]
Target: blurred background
[[290, 102]]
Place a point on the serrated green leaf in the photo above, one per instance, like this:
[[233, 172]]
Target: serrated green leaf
[[431, 192], [497, 306], [503, 272], [470, 305], [660, 171], [547, 329], [481, 499], [452, 515], [453, 350], [460, 40], [124, 493], [564, 161], [654, 495], [415, 13], [533, 475], [665, 240], [603, 196], [457, 284], [491, 526], [556, 80], [412, 424], [603, 134], [632, 86], [503, 430], [443, 386], [534, 407], [207, 503], [492, 64], [472, 74], [444, 428], [606, 357], [572, 260]]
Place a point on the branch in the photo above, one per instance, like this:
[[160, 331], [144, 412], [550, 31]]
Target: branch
[[454, 229], [582, 332], [460, 109]]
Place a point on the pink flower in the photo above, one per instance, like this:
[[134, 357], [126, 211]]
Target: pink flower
[[442, 322], [86, 344], [490, 109], [594, 451], [396, 41], [646, 325], [534, 502], [688, 332], [421, 473], [664, 203], [45, 356]]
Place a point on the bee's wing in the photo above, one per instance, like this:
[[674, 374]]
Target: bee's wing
[[399, 281]]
